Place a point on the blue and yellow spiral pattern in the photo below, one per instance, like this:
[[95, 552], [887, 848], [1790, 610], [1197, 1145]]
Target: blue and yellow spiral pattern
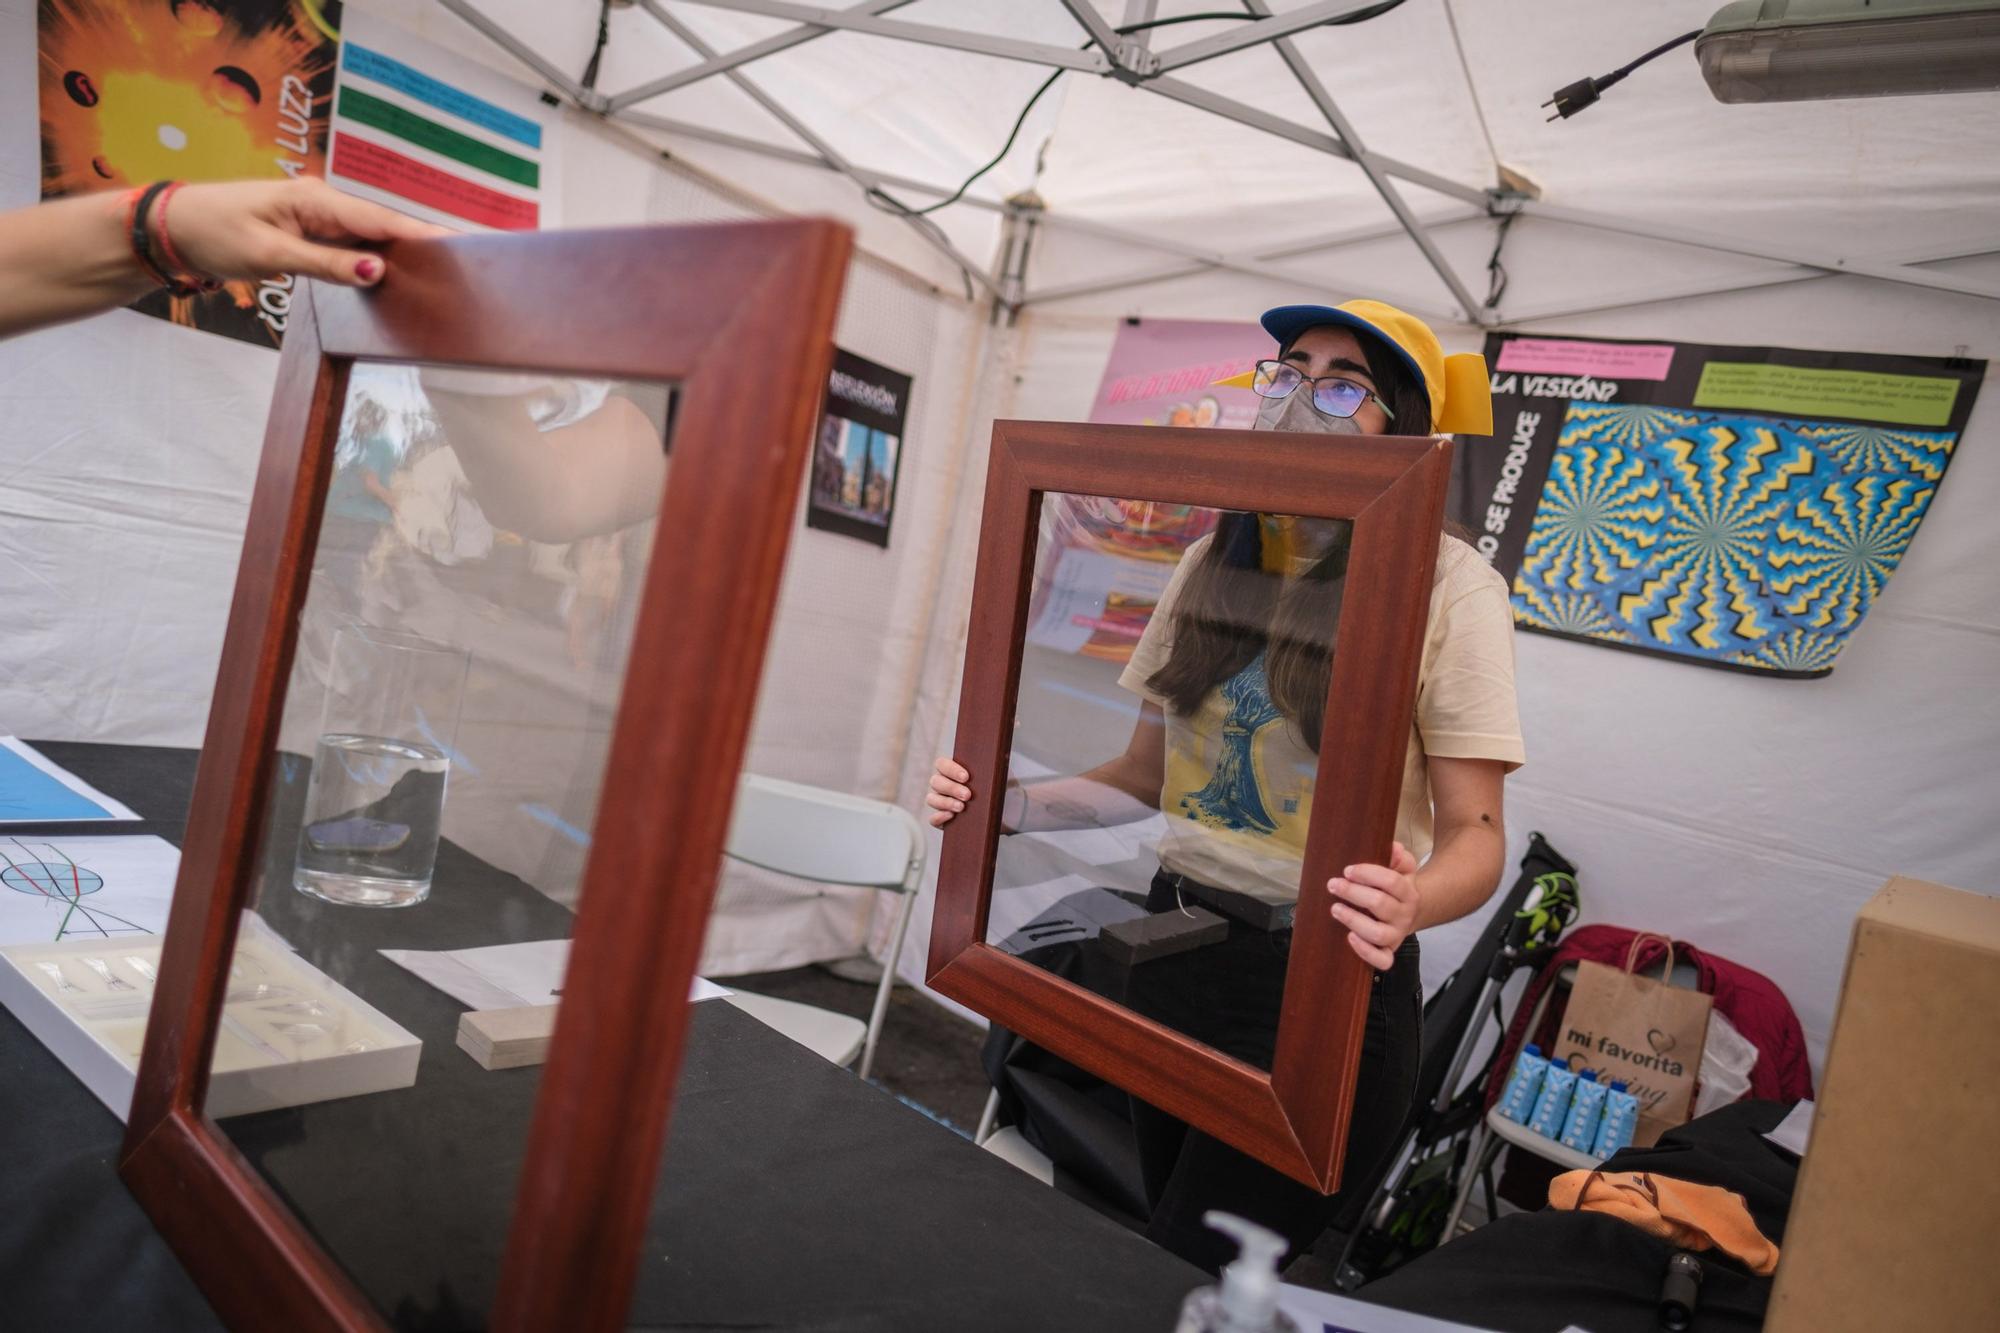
[[1750, 541]]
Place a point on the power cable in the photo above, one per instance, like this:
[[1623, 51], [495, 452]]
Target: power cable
[[1496, 272], [589, 79], [1575, 97], [888, 203]]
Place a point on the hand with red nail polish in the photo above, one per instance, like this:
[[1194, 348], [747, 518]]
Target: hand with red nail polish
[[253, 229], [68, 258]]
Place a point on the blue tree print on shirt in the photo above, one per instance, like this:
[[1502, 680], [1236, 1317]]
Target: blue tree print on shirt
[[1232, 799]]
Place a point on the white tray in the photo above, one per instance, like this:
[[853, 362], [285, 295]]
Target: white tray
[[290, 1034]]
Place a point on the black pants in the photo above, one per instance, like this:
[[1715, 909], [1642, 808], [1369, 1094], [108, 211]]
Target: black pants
[[1228, 995]]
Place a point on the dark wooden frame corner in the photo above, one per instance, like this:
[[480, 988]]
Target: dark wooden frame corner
[[1295, 1117], [666, 304]]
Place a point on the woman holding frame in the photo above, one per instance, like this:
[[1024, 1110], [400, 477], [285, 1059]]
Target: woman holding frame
[[1233, 670]]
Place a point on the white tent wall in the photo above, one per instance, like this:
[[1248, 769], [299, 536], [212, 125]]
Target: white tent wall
[[129, 448], [126, 452], [1750, 816]]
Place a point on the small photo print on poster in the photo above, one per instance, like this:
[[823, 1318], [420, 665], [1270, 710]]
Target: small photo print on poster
[[859, 449]]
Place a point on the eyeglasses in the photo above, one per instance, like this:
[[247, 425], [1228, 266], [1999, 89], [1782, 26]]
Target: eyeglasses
[[1332, 396]]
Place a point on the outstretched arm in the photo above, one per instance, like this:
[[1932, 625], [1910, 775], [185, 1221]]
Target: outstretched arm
[[73, 257], [596, 475]]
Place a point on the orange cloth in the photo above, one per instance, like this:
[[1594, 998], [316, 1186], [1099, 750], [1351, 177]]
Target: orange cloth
[[1694, 1217]]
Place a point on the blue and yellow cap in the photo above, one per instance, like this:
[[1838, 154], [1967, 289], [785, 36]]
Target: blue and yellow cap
[[1460, 391]]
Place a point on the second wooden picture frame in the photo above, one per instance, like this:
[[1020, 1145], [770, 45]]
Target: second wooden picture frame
[[1294, 1117]]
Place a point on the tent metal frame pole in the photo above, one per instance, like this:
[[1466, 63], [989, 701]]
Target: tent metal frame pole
[[1234, 263], [1708, 240], [584, 97], [929, 34], [1180, 90], [1269, 254], [1137, 12], [930, 232], [1937, 254], [1343, 129], [1093, 23], [1119, 59], [667, 125], [1267, 29], [783, 41]]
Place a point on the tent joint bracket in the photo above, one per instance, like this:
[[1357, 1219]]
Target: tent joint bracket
[[1133, 62]]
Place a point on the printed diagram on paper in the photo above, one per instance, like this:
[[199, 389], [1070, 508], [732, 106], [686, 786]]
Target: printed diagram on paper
[[84, 888]]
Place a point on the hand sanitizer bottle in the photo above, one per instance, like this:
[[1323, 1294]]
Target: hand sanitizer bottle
[[1247, 1300]]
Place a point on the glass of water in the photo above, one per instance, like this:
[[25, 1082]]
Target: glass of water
[[376, 801]]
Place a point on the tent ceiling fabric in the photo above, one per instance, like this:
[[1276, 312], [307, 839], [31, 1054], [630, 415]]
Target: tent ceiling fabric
[[1816, 181]]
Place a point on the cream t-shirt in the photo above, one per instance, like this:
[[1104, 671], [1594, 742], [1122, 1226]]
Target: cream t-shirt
[[1239, 778]]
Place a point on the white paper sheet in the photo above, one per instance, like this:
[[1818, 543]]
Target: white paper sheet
[[84, 888], [1324, 1312], [1795, 1130], [506, 976], [34, 790]]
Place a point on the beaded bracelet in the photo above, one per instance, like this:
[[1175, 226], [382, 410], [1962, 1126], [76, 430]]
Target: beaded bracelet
[[177, 277], [137, 205], [183, 273]]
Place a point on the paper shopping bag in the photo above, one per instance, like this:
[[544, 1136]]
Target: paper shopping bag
[[1644, 1032]]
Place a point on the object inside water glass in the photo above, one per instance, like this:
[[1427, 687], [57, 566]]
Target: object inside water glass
[[375, 802]]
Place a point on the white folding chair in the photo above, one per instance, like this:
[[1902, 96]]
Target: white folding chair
[[833, 838]]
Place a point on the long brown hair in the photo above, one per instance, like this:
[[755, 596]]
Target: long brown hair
[[1229, 610]]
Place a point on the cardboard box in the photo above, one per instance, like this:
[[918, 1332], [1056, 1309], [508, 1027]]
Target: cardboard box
[[290, 1034], [1898, 1204]]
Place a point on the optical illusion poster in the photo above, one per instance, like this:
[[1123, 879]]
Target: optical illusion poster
[[134, 91], [1737, 507]]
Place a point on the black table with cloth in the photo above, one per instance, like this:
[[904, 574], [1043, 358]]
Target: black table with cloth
[[792, 1195]]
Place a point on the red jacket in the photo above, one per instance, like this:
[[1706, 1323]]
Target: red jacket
[[1750, 1000]]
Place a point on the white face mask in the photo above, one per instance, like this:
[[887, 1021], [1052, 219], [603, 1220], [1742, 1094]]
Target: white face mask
[[1295, 412]]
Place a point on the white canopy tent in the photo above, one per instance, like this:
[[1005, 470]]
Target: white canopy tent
[[1197, 170]]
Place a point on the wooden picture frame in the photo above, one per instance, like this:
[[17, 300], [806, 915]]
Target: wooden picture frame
[[1295, 1117], [664, 304]]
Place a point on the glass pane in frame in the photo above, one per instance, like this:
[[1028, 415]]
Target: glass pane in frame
[[482, 549], [1171, 695]]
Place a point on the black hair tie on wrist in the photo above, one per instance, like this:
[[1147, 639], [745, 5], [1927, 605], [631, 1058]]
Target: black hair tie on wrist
[[142, 246]]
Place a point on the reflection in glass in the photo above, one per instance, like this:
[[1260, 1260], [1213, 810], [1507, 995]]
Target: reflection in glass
[[1165, 749], [470, 610]]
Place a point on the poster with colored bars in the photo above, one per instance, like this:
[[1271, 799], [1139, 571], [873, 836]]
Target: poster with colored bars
[[134, 91], [1735, 507], [431, 133]]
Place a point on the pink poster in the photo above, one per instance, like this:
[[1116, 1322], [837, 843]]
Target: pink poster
[[1571, 356], [1106, 559], [1162, 372]]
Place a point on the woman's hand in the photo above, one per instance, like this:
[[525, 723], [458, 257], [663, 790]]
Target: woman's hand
[[948, 793], [254, 229], [1377, 904]]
